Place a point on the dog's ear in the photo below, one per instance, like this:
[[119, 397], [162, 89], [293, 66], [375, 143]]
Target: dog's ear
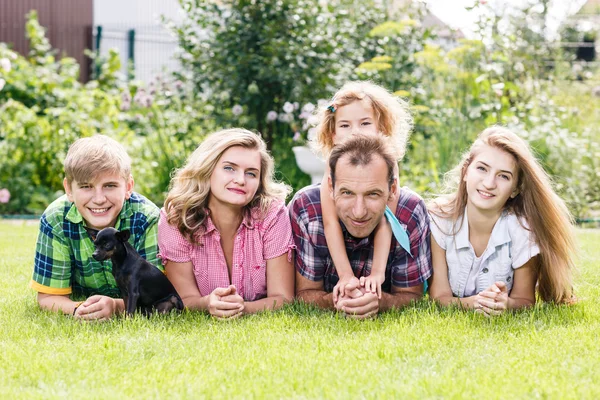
[[92, 232], [123, 236]]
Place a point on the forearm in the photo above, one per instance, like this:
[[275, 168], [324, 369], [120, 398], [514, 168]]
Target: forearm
[[464, 302], [397, 300], [382, 242], [316, 297], [516, 303], [57, 303], [268, 303], [337, 247], [195, 302]]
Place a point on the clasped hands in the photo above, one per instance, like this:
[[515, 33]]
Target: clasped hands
[[225, 303], [355, 300], [493, 300]]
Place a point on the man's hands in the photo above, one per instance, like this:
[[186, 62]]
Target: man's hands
[[359, 302], [225, 303], [493, 300], [339, 290], [96, 308]]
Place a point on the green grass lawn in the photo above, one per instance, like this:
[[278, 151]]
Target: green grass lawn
[[298, 352]]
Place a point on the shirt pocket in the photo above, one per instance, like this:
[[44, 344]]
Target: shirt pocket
[[258, 275], [504, 272]]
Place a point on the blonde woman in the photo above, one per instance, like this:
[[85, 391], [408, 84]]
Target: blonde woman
[[224, 233], [501, 232]]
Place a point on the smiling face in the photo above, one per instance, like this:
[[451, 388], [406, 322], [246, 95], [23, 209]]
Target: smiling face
[[236, 177], [352, 118], [100, 201], [491, 179], [361, 194]]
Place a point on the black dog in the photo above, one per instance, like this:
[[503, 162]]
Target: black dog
[[143, 286]]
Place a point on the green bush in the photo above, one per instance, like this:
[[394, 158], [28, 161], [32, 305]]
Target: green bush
[[43, 109], [265, 65], [248, 59]]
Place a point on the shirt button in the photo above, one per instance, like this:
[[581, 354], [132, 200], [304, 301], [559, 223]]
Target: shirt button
[[508, 279], [485, 270]]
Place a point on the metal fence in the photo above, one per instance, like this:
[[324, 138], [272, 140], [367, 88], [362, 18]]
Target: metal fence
[[145, 51]]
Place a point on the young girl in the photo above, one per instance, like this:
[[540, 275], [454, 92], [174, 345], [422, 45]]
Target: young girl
[[224, 233], [500, 231], [369, 109]]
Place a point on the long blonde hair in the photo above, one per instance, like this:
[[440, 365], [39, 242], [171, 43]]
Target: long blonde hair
[[391, 113], [546, 213], [187, 202]]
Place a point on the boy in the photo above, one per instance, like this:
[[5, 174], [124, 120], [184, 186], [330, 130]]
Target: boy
[[99, 193]]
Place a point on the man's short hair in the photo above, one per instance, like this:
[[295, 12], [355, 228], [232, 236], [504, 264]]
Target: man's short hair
[[89, 157], [360, 150]]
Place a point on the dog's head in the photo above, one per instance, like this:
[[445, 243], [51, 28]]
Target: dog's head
[[107, 241]]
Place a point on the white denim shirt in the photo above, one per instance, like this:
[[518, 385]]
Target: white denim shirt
[[510, 246]]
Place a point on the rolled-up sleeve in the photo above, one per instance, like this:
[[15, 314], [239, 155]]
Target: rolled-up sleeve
[[172, 246]]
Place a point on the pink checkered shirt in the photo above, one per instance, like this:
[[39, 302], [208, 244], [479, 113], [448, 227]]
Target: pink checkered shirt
[[256, 242]]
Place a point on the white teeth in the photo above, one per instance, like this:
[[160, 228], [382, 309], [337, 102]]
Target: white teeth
[[486, 194], [98, 210]]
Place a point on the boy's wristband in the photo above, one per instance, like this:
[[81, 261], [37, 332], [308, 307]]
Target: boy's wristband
[[77, 306]]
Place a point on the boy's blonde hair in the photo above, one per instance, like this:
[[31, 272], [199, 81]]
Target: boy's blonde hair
[[547, 215], [392, 115], [187, 202], [89, 157]]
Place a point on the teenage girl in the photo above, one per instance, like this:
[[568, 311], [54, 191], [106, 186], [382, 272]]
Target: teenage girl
[[501, 232]]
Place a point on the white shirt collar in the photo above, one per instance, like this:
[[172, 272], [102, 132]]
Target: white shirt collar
[[500, 234]]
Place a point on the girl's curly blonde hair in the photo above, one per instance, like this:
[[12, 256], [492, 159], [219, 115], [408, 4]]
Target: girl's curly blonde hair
[[391, 113]]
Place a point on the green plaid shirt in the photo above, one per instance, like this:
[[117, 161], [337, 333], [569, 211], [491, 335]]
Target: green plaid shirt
[[63, 256]]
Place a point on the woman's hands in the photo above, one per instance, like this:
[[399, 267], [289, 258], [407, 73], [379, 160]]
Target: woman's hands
[[493, 300], [225, 303]]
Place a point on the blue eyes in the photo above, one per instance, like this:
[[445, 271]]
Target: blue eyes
[[229, 168]]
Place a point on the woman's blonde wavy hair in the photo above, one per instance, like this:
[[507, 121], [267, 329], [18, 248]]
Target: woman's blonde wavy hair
[[391, 113], [187, 202], [546, 213]]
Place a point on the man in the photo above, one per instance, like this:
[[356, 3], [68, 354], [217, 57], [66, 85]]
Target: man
[[361, 182]]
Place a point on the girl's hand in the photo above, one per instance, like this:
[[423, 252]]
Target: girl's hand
[[224, 303], [372, 283], [339, 290], [493, 300]]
